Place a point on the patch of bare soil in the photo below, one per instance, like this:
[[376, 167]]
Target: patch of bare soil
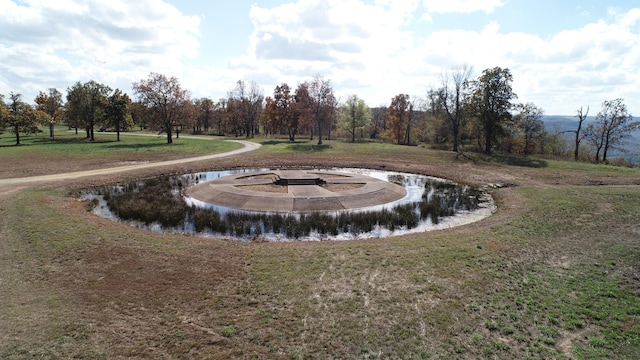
[[568, 341]]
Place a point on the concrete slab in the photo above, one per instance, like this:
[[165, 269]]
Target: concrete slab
[[235, 191]]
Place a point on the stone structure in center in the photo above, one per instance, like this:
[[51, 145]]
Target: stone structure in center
[[297, 191], [297, 177]]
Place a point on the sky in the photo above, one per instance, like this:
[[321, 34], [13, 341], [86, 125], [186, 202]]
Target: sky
[[563, 54]]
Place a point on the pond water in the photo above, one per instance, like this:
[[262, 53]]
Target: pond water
[[160, 205]]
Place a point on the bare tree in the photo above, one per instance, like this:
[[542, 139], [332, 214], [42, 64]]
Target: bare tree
[[582, 116], [322, 104], [451, 96], [247, 102]]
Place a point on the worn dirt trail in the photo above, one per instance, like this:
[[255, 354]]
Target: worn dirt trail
[[20, 182]]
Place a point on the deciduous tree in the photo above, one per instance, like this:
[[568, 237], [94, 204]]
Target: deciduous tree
[[85, 105], [221, 116], [117, 111], [379, 118], [187, 115], [50, 103], [279, 112], [162, 98], [301, 118], [398, 117], [204, 108], [322, 104], [451, 95], [21, 117], [247, 105], [354, 115], [3, 112], [612, 125], [491, 103], [138, 114], [530, 125]]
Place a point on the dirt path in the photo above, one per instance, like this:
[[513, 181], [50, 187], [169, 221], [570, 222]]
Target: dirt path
[[247, 146]]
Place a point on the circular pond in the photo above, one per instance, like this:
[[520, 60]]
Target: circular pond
[[282, 205]]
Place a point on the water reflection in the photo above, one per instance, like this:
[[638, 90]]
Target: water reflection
[[158, 204]]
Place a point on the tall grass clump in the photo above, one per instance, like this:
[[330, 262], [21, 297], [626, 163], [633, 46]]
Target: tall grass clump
[[151, 201]]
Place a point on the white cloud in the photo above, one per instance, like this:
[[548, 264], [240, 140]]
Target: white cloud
[[575, 67], [353, 44], [379, 53], [56, 43], [376, 50], [461, 6]]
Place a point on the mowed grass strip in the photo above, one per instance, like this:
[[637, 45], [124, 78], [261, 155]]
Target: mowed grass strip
[[68, 144], [556, 278]]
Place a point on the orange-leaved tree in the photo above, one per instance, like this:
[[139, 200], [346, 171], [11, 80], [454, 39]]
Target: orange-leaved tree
[[399, 117]]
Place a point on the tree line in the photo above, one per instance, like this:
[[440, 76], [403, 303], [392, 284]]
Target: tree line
[[462, 114]]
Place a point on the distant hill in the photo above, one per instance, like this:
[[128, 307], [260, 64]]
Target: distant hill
[[630, 149]]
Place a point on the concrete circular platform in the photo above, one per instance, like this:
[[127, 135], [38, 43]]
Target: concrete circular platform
[[296, 190]]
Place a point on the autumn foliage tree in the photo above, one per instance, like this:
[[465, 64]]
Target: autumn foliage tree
[[278, 111], [220, 115], [399, 113], [22, 117], [187, 115], [50, 103], [3, 112], [162, 98], [301, 118], [204, 114]]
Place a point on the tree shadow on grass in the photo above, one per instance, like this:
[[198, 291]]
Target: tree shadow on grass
[[517, 161], [278, 142], [308, 148], [285, 142], [126, 146], [30, 141]]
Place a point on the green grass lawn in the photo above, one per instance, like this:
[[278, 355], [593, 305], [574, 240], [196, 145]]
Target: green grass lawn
[[105, 144], [555, 277]]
